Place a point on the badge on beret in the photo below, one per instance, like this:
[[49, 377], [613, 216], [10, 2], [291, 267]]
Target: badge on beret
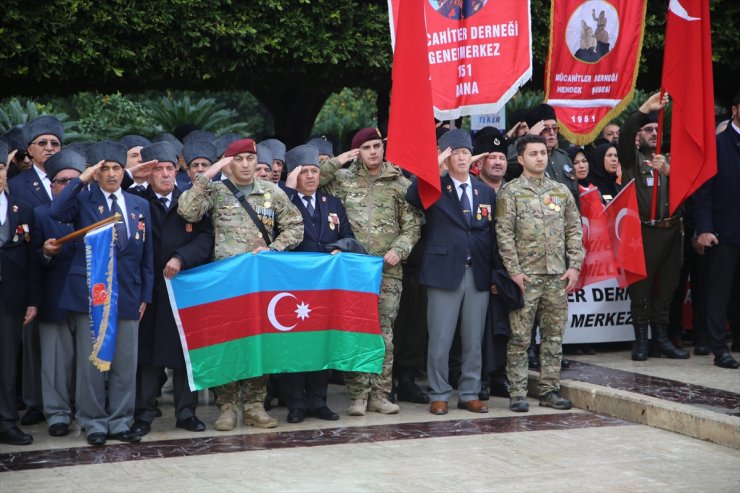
[[496, 141], [189, 228]]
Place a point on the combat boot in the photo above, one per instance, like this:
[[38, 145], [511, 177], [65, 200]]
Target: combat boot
[[226, 420], [662, 346], [380, 404], [255, 415], [554, 400], [640, 350], [357, 407]]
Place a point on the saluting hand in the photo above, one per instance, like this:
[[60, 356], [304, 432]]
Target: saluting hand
[[143, 171], [348, 156], [91, 173], [291, 181], [220, 164]]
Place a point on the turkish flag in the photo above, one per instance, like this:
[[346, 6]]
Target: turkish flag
[[623, 225], [687, 77], [412, 142], [599, 263]]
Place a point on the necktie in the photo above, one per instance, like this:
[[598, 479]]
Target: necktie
[[139, 188], [465, 202], [121, 233], [309, 205], [163, 201]]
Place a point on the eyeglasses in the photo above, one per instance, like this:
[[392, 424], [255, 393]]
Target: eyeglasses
[[554, 128], [61, 181], [650, 130], [53, 143]]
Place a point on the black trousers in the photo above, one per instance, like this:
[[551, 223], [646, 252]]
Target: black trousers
[[11, 327], [304, 390], [148, 383], [723, 288]]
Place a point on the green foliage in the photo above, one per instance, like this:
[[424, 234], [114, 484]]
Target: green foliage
[[206, 114], [525, 100], [345, 111]]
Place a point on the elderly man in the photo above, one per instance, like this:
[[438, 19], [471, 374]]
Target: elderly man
[[277, 225], [105, 402], [373, 192], [134, 144], [56, 331], [326, 149], [456, 267], [277, 148], [17, 141], [198, 157], [493, 165], [19, 298], [178, 245], [264, 162]]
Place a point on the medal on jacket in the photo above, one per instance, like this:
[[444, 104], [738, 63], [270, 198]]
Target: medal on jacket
[[189, 227], [141, 228], [333, 221], [100, 209]]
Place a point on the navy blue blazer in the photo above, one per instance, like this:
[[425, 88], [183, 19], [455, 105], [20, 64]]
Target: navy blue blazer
[[18, 266], [28, 187], [84, 207], [716, 202], [54, 270], [449, 239], [316, 239]]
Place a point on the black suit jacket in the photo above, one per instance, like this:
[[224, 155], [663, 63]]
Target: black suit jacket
[[29, 188], [449, 239], [18, 265], [316, 239], [192, 243]]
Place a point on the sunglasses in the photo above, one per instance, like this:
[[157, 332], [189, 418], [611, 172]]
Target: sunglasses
[[554, 128], [53, 143], [61, 181]]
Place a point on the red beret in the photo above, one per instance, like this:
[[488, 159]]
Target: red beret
[[364, 135], [240, 146]]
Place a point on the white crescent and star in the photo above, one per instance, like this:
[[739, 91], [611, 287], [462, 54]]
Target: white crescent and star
[[302, 310], [622, 214], [678, 9], [586, 226]]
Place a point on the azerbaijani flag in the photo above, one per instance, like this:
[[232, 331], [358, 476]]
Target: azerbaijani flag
[[278, 312]]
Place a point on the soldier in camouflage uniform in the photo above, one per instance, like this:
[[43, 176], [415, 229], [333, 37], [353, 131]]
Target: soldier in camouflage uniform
[[236, 234], [373, 192], [539, 236]]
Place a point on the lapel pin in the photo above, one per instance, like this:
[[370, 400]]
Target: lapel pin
[[15, 209], [100, 209]]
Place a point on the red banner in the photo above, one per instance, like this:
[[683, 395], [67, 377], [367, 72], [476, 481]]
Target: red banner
[[592, 63], [479, 52]]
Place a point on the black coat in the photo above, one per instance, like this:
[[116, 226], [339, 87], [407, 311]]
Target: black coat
[[18, 264], [192, 243], [316, 238]]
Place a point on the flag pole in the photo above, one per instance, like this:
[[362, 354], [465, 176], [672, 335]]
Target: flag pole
[[656, 173], [80, 232]]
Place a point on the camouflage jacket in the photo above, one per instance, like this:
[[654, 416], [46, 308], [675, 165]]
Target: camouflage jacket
[[376, 207], [538, 227], [235, 231]]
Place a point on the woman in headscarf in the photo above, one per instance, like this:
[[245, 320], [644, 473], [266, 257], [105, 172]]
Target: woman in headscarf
[[603, 171]]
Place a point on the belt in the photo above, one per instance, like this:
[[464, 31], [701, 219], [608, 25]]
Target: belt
[[662, 223]]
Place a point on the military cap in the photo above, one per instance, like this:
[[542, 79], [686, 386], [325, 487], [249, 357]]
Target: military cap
[[159, 151], [80, 148], [16, 139], [539, 113], [490, 141], [456, 139], [221, 143], [516, 116], [323, 145], [199, 136], [44, 125], [171, 139], [365, 135], [134, 141], [303, 155], [3, 153], [199, 149], [264, 155], [107, 150], [651, 117], [65, 159], [240, 146], [277, 148]]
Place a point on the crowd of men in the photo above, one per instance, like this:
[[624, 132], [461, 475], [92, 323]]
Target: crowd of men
[[465, 282]]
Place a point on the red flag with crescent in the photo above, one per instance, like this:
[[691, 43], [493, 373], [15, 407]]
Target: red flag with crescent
[[625, 230], [599, 263]]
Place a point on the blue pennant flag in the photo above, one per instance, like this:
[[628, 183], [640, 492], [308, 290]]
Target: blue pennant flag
[[102, 284]]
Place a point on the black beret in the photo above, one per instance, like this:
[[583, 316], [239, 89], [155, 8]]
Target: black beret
[[539, 113], [199, 136], [159, 151], [221, 143], [277, 149], [16, 139], [264, 155], [490, 141], [3, 154], [303, 155], [64, 159], [199, 149], [455, 139], [516, 117], [44, 125], [134, 141], [171, 139], [107, 150], [649, 118], [323, 145]]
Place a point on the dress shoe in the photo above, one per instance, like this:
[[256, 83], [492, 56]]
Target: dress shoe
[[323, 413], [519, 404], [191, 423], [438, 407], [499, 386], [725, 361], [141, 427], [32, 417], [702, 350], [128, 436], [59, 429], [484, 395], [96, 439], [474, 406], [554, 400], [296, 415], [15, 436], [408, 391]]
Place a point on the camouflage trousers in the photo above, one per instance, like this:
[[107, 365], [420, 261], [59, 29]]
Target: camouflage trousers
[[359, 385], [545, 300], [253, 391]]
